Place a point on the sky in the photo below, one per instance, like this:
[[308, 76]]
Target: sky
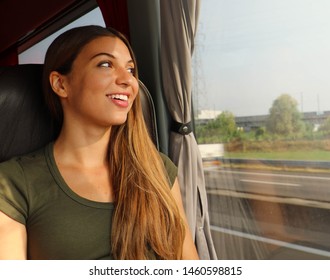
[[249, 52], [36, 53]]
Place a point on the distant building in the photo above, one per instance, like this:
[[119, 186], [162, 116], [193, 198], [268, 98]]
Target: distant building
[[204, 116], [249, 123]]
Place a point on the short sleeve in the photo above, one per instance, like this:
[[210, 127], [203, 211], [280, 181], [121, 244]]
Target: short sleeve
[[13, 194], [170, 167]]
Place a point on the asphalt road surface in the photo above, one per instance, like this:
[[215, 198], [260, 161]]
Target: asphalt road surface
[[258, 214]]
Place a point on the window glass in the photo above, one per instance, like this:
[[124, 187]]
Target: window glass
[[262, 122], [36, 53]]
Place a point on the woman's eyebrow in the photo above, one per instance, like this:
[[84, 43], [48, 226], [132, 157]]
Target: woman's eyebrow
[[109, 55], [101, 54]]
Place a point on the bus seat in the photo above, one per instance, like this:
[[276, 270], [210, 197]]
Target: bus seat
[[25, 123]]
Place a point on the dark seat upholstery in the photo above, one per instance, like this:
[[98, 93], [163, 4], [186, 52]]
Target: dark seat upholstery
[[25, 124]]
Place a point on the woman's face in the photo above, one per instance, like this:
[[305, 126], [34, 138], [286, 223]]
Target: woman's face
[[101, 87]]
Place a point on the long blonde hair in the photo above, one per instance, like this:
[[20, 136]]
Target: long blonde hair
[[146, 222]]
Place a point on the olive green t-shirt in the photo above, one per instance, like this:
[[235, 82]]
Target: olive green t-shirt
[[60, 224]]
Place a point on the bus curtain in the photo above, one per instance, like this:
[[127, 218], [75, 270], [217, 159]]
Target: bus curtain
[[179, 20]]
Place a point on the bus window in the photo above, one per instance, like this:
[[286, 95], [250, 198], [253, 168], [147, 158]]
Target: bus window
[[261, 103], [36, 53]]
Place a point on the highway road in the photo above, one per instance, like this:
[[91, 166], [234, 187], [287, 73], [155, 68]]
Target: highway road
[[257, 214]]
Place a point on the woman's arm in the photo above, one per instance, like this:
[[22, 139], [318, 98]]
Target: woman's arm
[[13, 239], [189, 249]]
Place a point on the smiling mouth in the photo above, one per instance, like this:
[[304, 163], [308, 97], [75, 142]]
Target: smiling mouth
[[121, 97], [120, 100]]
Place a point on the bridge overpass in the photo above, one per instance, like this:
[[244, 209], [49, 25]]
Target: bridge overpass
[[248, 123]]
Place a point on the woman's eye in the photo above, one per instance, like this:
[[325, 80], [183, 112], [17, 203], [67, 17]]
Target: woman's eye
[[104, 64], [131, 70]]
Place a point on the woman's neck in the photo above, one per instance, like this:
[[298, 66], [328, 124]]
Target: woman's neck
[[82, 148]]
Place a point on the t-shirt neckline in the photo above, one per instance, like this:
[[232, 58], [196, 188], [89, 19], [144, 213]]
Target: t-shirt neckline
[[49, 154]]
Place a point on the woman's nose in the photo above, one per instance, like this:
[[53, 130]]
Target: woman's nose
[[124, 76]]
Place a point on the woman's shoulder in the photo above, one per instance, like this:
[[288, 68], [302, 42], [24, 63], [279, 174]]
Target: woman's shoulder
[[22, 165], [15, 188], [20, 179]]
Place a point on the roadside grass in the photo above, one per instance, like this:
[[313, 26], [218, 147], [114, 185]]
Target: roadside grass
[[313, 155], [314, 150]]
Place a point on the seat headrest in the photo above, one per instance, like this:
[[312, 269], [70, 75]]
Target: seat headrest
[[25, 124]]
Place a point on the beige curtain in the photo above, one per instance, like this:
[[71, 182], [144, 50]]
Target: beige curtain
[[180, 19]]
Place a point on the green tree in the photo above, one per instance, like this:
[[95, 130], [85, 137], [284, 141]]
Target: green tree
[[225, 122], [226, 125], [221, 129], [284, 117]]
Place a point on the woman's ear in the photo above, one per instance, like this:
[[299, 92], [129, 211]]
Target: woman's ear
[[57, 82]]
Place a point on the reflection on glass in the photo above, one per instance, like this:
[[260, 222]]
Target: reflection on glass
[[262, 120]]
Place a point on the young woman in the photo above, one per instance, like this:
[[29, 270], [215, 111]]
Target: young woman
[[101, 190]]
